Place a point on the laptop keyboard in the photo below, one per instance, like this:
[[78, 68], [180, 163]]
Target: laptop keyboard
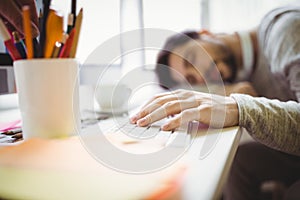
[[122, 125]]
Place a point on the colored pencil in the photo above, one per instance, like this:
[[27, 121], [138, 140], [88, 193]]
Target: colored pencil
[[65, 52], [19, 44], [12, 50], [77, 33], [27, 32]]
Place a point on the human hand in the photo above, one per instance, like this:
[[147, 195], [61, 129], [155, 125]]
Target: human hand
[[11, 14], [214, 110]]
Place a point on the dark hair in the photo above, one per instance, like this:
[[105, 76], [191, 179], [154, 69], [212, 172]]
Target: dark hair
[[162, 63]]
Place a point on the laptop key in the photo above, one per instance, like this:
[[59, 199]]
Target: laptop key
[[137, 132], [151, 132]]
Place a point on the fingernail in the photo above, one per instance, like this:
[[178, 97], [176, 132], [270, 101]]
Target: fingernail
[[165, 127], [141, 122], [133, 119]]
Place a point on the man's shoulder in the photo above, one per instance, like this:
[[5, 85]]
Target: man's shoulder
[[274, 16]]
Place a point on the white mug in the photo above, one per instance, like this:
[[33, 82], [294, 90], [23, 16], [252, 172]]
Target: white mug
[[112, 96], [48, 94]]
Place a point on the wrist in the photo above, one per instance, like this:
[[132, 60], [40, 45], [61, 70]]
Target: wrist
[[232, 112]]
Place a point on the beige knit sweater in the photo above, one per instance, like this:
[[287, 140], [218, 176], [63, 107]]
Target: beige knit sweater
[[272, 122]]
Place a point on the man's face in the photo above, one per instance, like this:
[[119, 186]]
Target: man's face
[[201, 61]]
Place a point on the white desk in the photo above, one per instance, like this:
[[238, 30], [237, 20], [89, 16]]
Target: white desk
[[206, 176]]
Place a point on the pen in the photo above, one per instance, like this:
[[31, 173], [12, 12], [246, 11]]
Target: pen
[[46, 6], [18, 136], [19, 44], [70, 23], [58, 46], [40, 20], [76, 36], [36, 47], [73, 11], [56, 49], [13, 132], [27, 31], [15, 55]]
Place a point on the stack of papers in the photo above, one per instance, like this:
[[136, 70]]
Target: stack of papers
[[63, 169]]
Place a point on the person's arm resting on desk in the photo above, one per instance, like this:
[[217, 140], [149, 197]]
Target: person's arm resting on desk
[[189, 105], [274, 123], [271, 122]]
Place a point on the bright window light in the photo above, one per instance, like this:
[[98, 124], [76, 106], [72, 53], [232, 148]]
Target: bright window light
[[101, 21], [235, 15], [172, 15]]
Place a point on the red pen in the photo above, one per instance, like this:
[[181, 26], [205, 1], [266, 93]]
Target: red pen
[[65, 52], [8, 42]]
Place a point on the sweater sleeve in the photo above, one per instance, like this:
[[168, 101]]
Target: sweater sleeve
[[271, 122]]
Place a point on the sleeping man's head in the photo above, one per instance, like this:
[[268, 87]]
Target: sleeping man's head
[[194, 58]]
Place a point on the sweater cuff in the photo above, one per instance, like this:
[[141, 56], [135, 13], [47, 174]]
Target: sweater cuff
[[242, 101]]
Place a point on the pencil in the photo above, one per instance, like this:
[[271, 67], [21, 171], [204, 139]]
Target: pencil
[[77, 33], [19, 44], [65, 51], [12, 50], [27, 32]]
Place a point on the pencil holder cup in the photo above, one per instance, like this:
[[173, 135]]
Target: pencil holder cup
[[48, 92]]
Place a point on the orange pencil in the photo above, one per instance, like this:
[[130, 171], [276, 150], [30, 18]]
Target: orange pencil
[[27, 31]]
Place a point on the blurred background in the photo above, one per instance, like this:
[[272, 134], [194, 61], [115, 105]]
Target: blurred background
[[104, 19]]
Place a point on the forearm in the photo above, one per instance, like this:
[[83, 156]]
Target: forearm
[[271, 122]]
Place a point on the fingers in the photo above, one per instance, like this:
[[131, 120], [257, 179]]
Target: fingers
[[156, 102], [160, 96], [214, 110], [169, 108], [182, 119], [161, 99], [164, 105]]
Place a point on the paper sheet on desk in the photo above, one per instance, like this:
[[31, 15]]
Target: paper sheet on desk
[[63, 169], [6, 126]]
